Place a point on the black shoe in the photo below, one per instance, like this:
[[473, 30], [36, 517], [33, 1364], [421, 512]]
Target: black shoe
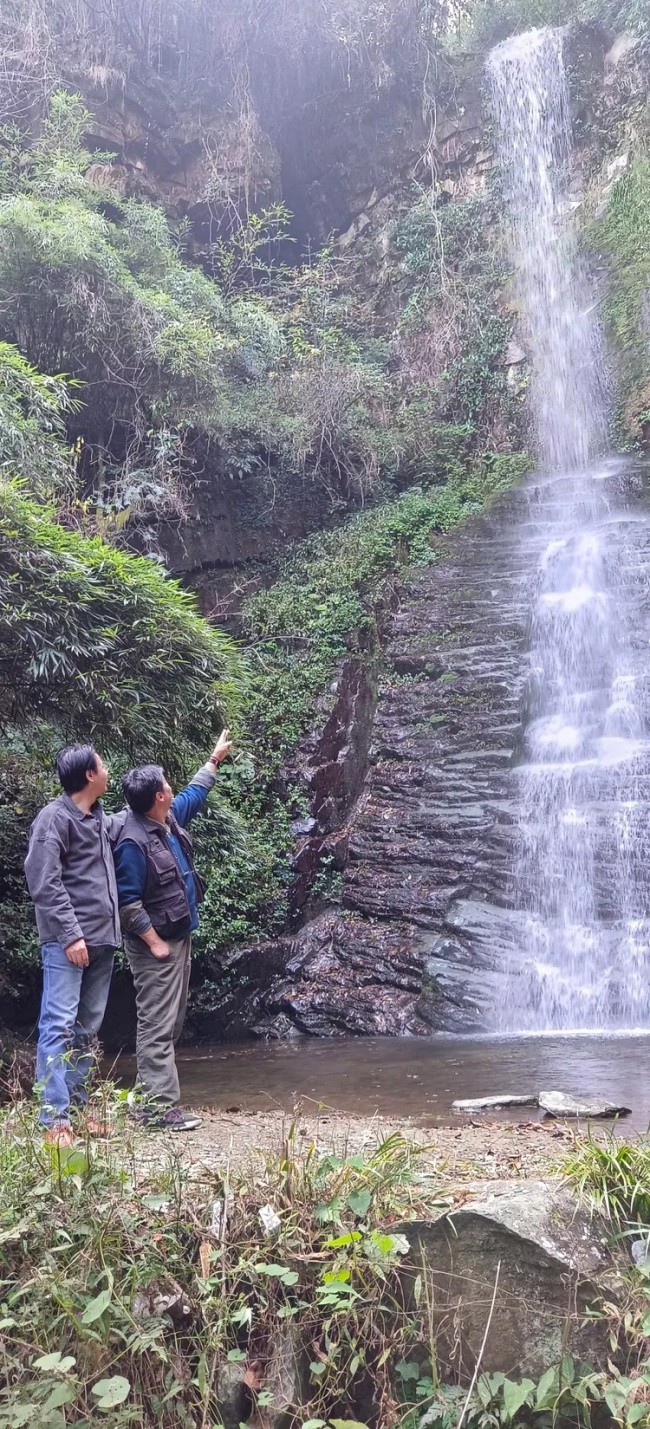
[[173, 1119]]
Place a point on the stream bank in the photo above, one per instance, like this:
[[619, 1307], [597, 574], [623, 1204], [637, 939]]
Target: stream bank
[[461, 1157]]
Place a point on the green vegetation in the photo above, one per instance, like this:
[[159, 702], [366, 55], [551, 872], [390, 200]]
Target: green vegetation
[[454, 329], [91, 636], [243, 848], [268, 379], [151, 1297], [493, 20], [33, 409], [613, 1176], [94, 643], [201, 366], [126, 1299], [622, 235], [98, 286]]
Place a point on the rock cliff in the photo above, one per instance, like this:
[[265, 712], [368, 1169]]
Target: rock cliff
[[423, 835]]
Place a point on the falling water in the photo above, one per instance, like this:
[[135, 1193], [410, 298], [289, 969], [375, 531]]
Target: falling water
[[582, 877]]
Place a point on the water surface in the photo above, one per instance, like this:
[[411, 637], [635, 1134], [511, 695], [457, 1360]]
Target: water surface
[[418, 1078]]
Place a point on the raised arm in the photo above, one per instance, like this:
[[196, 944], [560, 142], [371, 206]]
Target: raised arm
[[192, 799]]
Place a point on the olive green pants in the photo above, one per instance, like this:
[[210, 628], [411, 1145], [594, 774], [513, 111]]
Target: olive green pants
[[161, 987]]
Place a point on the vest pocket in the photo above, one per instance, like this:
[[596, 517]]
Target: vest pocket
[[163, 865]]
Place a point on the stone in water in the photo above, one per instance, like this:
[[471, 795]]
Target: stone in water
[[494, 1103], [561, 1104]]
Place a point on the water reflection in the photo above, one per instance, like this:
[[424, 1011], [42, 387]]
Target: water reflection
[[416, 1078]]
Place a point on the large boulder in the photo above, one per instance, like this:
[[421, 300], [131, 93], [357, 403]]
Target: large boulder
[[519, 1268]]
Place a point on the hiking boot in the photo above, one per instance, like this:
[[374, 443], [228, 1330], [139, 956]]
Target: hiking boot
[[60, 1133], [171, 1118], [175, 1119]]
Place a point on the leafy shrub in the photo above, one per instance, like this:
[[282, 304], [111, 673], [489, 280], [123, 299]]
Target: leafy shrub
[[26, 784], [243, 853], [33, 408], [94, 644], [454, 330], [96, 638], [106, 298]]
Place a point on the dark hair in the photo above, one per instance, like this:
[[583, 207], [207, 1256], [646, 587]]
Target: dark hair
[[72, 765], [140, 787]]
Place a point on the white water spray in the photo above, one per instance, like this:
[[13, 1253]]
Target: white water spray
[[582, 876]]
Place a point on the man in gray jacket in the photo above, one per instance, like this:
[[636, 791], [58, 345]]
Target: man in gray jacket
[[71, 879]]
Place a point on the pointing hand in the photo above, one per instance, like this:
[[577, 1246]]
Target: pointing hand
[[222, 748]]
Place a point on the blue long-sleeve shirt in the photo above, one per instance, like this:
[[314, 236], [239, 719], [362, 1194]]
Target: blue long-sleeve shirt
[[131, 863]]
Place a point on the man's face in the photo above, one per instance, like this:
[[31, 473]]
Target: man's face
[[164, 798], [98, 778]]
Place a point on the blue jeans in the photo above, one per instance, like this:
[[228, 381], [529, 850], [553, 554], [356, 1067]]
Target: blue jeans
[[72, 1011]]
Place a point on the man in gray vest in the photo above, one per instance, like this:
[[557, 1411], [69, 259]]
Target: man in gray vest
[[159, 894]]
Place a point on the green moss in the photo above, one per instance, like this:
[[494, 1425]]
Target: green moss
[[623, 236], [330, 601]]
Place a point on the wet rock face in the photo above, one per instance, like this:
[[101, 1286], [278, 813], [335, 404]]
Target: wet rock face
[[333, 768], [338, 975], [338, 757], [432, 843], [330, 150], [416, 808]]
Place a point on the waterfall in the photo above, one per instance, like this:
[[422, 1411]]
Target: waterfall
[[582, 872]]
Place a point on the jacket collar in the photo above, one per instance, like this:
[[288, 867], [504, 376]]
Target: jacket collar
[[69, 804], [153, 826]]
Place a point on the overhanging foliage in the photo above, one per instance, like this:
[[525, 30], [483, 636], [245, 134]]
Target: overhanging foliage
[[95, 639]]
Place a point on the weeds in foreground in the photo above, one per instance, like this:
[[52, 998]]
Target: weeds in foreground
[[613, 1176], [283, 1297], [151, 1300]]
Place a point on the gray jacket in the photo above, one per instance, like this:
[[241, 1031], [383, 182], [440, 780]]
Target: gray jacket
[[70, 875]]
